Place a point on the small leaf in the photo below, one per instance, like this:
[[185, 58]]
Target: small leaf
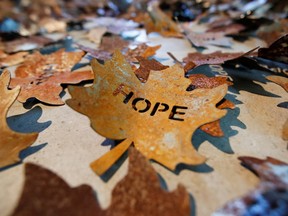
[[217, 57], [41, 76], [208, 38]]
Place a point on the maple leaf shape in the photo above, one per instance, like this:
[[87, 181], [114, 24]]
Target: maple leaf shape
[[159, 116], [41, 76], [11, 143], [45, 193], [270, 197]]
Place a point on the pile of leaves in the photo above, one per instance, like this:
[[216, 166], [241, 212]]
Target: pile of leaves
[[47, 45]]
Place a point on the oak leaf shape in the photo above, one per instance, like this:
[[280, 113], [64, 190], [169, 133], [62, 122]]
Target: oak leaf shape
[[41, 76], [161, 125], [139, 193], [271, 195], [11, 142]]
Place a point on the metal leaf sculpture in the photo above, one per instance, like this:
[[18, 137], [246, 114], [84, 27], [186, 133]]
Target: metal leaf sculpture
[[41, 76], [159, 117]]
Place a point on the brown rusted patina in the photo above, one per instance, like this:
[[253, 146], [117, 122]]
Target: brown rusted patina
[[139, 193]]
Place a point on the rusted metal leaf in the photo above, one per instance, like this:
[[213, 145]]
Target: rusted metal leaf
[[107, 47], [274, 57], [41, 76], [25, 44], [13, 59], [146, 66], [142, 179], [46, 193], [225, 28], [282, 81], [159, 116], [277, 51], [105, 51], [159, 22], [217, 57], [270, 197], [11, 143], [142, 50], [202, 81], [110, 44], [213, 128], [273, 32]]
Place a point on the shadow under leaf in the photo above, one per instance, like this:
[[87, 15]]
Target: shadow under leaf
[[112, 170], [27, 122], [202, 168], [226, 123]]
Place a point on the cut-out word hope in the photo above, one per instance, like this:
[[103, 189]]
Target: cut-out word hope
[[143, 105]]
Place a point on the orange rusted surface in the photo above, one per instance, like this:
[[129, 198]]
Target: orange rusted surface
[[159, 116]]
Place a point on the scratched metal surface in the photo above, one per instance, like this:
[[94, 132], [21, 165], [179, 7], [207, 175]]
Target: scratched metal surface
[[67, 144]]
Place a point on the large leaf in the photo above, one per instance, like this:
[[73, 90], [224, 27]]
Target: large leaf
[[159, 116]]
